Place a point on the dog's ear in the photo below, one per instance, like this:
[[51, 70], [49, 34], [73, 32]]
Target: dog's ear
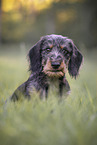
[[34, 57], [75, 61]]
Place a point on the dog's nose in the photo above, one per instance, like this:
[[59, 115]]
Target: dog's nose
[[55, 65]]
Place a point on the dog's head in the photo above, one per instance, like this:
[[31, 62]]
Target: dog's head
[[54, 54]]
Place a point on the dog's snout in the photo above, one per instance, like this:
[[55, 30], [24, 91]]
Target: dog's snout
[[55, 61], [56, 58], [55, 65]]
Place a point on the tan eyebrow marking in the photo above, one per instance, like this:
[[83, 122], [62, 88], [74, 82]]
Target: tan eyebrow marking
[[51, 46], [61, 46]]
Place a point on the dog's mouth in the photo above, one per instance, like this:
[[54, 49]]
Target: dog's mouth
[[54, 73]]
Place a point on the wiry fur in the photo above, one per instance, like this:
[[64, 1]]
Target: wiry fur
[[49, 59]]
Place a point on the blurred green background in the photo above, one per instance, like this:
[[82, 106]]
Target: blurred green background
[[72, 120], [26, 21]]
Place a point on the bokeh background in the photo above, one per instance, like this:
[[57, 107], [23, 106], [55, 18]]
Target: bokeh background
[[26, 21]]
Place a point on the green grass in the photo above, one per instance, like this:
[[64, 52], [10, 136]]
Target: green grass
[[70, 121]]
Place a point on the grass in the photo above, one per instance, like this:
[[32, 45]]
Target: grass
[[70, 121]]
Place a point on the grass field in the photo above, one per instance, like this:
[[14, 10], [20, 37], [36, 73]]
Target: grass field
[[71, 121]]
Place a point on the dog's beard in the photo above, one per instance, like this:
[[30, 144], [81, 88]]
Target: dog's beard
[[56, 74], [49, 71]]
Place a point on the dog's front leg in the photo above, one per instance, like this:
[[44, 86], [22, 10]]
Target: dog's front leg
[[20, 92], [64, 88], [44, 93]]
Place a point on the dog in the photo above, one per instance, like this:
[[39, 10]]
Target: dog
[[49, 60]]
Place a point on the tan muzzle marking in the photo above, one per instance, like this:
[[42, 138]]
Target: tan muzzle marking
[[54, 72]]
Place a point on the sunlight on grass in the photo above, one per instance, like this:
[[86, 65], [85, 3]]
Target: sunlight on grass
[[70, 121]]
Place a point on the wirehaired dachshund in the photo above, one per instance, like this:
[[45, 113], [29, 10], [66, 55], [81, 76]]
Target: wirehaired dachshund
[[49, 59]]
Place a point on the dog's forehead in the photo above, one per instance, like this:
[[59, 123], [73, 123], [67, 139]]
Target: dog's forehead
[[55, 39]]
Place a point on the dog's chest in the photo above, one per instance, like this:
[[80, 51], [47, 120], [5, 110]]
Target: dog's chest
[[53, 86]]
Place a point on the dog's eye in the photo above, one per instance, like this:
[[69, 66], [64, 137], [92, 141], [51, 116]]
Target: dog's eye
[[48, 49], [65, 51]]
